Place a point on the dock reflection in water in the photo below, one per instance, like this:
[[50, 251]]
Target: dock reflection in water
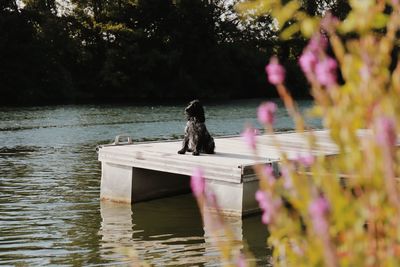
[[169, 232]]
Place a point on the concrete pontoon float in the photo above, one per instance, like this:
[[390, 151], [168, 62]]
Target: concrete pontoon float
[[144, 171]]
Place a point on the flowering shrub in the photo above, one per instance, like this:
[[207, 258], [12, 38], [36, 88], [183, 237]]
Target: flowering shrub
[[342, 210]]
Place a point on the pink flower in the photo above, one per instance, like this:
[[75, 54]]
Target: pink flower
[[287, 179], [297, 249], [325, 70], [269, 174], [319, 209], [212, 200], [318, 42], [329, 22], [386, 131], [197, 182], [365, 73], [268, 205], [268, 171], [241, 261], [266, 112], [275, 71], [307, 62], [306, 159], [249, 136]]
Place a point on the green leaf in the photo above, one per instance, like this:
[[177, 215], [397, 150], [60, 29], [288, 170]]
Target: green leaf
[[309, 26], [349, 24], [380, 21], [285, 13], [362, 5], [289, 31], [255, 8]]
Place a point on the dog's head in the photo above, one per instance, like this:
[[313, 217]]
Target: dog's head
[[195, 110]]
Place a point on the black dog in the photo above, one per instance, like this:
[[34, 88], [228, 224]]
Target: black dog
[[197, 139]]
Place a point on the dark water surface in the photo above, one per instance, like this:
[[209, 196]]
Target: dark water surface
[[50, 213]]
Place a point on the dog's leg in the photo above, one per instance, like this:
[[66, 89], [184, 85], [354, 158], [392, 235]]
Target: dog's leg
[[196, 152], [211, 146], [197, 148], [185, 145]]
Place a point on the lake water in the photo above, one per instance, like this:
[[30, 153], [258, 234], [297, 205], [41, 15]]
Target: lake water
[[50, 213]]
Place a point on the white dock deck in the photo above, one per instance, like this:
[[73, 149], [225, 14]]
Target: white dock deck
[[150, 170]]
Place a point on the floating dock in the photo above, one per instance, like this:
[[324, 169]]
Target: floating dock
[[144, 171]]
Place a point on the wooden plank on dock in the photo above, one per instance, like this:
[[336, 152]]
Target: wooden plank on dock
[[226, 164], [142, 171]]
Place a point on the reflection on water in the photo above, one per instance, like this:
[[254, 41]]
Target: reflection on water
[[50, 213], [170, 232], [160, 232]]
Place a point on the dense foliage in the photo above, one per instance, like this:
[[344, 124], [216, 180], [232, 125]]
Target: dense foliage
[[100, 50], [343, 209]]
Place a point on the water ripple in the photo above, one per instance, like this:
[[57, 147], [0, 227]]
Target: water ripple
[[50, 213]]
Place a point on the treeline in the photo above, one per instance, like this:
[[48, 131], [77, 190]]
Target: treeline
[[135, 50]]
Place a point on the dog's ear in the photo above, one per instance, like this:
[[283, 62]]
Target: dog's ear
[[199, 111], [201, 117]]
